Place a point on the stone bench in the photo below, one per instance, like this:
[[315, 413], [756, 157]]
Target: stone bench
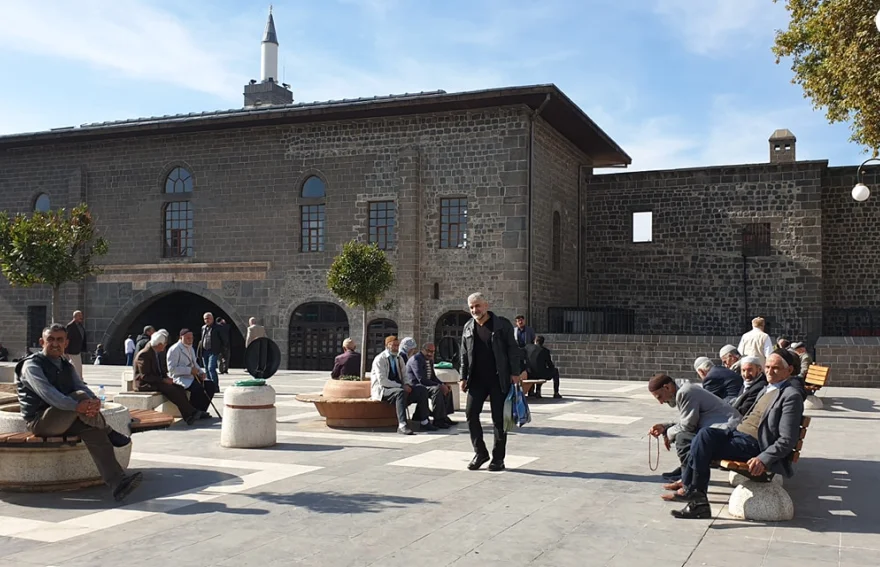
[[148, 401], [352, 412], [527, 385], [761, 498]]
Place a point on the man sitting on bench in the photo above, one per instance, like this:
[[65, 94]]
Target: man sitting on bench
[[150, 377], [540, 366], [187, 374], [55, 402], [420, 373], [765, 438]]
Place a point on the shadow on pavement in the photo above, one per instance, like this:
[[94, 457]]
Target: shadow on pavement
[[340, 503]]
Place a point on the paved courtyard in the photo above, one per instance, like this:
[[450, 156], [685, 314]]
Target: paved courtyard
[[577, 492]]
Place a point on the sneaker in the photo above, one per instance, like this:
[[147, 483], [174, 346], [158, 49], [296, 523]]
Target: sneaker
[[127, 485], [117, 439], [405, 430]]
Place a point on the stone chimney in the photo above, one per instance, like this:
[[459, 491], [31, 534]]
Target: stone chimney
[[782, 146]]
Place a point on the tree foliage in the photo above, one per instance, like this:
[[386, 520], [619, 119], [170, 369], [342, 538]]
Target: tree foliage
[[51, 248], [834, 46], [361, 275]]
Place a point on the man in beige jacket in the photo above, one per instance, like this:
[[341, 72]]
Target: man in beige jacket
[[254, 332], [756, 342]]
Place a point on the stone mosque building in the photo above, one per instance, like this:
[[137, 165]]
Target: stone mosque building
[[241, 212]]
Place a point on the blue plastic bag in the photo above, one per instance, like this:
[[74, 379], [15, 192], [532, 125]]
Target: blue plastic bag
[[510, 419], [521, 407]]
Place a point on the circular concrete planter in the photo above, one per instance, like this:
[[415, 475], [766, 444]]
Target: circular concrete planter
[[249, 417], [348, 404], [55, 468]]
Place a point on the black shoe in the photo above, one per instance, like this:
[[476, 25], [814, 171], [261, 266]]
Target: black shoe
[[428, 427], [205, 415], [450, 422], [127, 485], [672, 476], [697, 509], [496, 466], [477, 462], [557, 395], [538, 395], [405, 430], [441, 424], [117, 439], [192, 417]]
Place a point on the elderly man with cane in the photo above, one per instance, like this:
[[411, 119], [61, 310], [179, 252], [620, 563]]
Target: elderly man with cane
[[186, 373]]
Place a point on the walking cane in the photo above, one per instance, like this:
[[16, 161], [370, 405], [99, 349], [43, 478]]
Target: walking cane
[[210, 401]]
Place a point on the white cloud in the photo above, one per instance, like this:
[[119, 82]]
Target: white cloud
[[713, 27]]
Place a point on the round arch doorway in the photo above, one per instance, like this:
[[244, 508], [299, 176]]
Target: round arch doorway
[[174, 311], [315, 336]]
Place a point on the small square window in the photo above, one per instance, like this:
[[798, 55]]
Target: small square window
[[756, 239], [643, 226]]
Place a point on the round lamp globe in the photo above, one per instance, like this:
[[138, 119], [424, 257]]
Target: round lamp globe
[[861, 192]]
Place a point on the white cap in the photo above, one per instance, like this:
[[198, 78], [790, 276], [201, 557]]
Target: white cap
[[159, 337], [750, 360], [726, 349], [700, 362]]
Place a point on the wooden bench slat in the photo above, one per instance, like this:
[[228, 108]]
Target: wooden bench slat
[[805, 422], [817, 376], [147, 420]]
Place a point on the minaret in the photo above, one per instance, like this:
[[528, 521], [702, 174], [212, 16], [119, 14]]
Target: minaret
[[268, 92]]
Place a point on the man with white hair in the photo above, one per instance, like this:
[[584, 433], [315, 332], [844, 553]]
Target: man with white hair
[[756, 342], [723, 382], [150, 377], [754, 383], [730, 357], [348, 363], [806, 360], [184, 369], [765, 438], [254, 332], [490, 362], [408, 347]]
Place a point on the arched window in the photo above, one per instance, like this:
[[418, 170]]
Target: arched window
[[557, 241], [312, 215], [42, 204], [177, 216]]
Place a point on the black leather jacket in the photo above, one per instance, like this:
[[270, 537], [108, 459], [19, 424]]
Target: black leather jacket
[[508, 356]]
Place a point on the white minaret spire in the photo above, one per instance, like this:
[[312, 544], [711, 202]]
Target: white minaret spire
[[269, 59]]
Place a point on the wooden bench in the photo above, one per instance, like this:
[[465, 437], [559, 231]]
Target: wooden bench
[[141, 420], [149, 420], [743, 467], [817, 377], [528, 384]]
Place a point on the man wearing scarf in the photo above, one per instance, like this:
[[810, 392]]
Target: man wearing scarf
[[389, 384]]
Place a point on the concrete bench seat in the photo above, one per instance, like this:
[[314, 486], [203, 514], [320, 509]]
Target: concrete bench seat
[[352, 412], [527, 385], [147, 401]]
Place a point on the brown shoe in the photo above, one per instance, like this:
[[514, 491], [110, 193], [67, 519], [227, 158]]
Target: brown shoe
[[673, 485]]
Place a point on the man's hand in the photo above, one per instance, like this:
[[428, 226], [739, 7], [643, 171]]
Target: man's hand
[[407, 388], [666, 442], [463, 385], [444, 389], [167, 381], [88, 408], [195, 371], [756, 467], [518, 379], [657, 430]]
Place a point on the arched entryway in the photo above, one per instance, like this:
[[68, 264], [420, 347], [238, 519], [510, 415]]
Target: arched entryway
[[315, 336], [447, 336], [173, 311], [377, 330]]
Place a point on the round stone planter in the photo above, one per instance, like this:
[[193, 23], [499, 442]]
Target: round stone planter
[[348, 404], [55, 468], [249, 417]]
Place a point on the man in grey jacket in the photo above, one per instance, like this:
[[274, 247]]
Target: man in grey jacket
[[697, 409], [765, 439]]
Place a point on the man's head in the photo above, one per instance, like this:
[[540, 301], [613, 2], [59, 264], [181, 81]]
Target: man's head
[[663, 388], [252, 321], [429, 350], [149, 330], [750, 368], [703, 365], [539, 340], [408, 346], [799, 348], [758, 323], [158, 340], [78, 316], [392, 345], [208, 318], [729, 355], [54, 340], [478, 306], [349, 344], [778, 366], [520, 321], [782, 342], [186, 336], [130, 337]]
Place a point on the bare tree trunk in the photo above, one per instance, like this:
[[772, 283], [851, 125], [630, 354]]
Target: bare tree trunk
[[364, 345], [56, 304]]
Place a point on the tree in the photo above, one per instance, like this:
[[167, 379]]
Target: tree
[[835, 51], [360, 276], [50, 248]]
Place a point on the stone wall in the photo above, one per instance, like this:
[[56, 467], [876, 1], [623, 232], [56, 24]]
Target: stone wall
[[851, 257], [689, 279], [631, 357], [853, 360]]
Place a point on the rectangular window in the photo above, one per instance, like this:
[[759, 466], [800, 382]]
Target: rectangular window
[[453, 223], [643, 226], [178, 230], [382, 224], [756, 239], [313, 228], [36, 322]]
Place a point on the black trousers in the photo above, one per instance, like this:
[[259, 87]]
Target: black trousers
[[400, 399], [555, 382], [441, 405], [478, 390], [683, 446], [175, 394], [201, 394]]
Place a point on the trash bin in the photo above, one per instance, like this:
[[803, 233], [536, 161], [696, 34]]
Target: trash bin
[[248, 417]]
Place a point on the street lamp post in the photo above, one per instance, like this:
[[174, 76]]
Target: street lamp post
[[861, 192]]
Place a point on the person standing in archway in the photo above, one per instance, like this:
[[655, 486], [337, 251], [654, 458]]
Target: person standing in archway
[[76, 335], [225, 334], [210, 347]]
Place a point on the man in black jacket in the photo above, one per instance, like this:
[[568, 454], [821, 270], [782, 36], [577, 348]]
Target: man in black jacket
[[77, 344], [144, 339], [539, 366], [211, 345], [754, 382], [490, 362], [724, 383]]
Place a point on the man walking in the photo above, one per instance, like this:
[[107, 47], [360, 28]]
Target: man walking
[[254, 332], [76, 341], [490, 362], [129, 350], [210, 347]]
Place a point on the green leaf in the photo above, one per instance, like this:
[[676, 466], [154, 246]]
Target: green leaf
[[361, 275]]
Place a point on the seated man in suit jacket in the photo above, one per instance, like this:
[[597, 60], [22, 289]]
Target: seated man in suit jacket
[[540, 366], [724, 383], [765, 438], [754, 383], [149, 376], [420, 373]]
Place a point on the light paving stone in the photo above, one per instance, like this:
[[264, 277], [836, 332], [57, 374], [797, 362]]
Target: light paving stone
[[594, 418], [456, 460]]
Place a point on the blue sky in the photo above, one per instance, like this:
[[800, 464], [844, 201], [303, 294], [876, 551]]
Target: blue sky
[[677, 83]]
